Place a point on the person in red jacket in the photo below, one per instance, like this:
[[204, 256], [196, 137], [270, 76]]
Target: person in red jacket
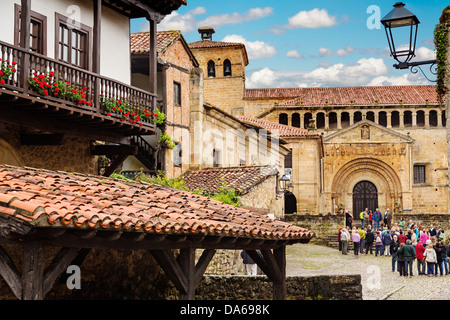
[[401, 237], [420, 249]]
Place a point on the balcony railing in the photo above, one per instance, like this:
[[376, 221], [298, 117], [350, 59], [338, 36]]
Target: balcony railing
[[39, 76]]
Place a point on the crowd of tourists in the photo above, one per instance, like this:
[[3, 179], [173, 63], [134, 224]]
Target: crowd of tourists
[[403, 242]]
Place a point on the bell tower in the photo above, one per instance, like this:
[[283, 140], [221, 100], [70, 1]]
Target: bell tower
[[223, 65], [206, 33]]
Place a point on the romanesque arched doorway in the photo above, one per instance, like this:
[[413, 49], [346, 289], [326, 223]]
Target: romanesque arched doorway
[[290, 202], [365, 195], [375, 171]]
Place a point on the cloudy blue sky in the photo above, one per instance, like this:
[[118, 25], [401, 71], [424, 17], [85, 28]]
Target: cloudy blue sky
[[322, 43]]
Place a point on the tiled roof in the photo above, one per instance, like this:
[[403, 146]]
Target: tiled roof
[[383, 95], [214, 44], [139, 41], [242, 178], [283, 130], [218, 44], [44, 198]]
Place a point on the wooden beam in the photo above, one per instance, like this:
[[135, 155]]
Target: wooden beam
[[259, 260], [112, 150], [32, 120], [59, 264], [10, 273], [25, 22], [115, 164], [33, 271], [47, 139], [96, 43], [272, 266], [202, 264], [171, 268], [153, 62]]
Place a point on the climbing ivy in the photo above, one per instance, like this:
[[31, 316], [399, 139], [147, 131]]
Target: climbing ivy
[[440, 42]]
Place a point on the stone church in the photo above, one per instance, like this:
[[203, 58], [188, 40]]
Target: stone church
[[375, 147]]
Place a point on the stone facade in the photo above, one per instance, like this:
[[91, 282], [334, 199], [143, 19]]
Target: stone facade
[[220, 139], [391, 137], [230, 86], [175, 64], [72, 155]]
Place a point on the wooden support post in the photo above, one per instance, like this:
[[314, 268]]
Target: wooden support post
[[186, 259], [25, 21], [96, 51], [153, 61], [33, 271], [279, 287], [97, 36], [202, 264], [274, 266], [183, 272]]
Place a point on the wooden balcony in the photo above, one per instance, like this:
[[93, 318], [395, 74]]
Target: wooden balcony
[[54, 96]]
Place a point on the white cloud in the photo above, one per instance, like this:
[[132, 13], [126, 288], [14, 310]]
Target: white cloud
[[188, 22], [325, 52], [403, 80], [236, 17], [316, 18], [360, 73], [264, 78], [185, 23], [255, 49], [423, 53], [293, 54], [344, 52]]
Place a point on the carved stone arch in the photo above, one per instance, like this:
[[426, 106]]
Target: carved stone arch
[[376, 171], [8, 155]]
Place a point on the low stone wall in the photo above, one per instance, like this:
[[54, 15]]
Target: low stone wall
[[323, 287]]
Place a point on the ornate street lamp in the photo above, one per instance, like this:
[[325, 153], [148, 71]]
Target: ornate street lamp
[[400, 17], [285, 184]]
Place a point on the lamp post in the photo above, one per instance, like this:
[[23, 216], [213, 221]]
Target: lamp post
[[284, 186], [400, 17]]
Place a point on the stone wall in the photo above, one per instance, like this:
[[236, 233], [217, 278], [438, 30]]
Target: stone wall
[[298, 288], [225, 262], [263, 196], [72, 155]]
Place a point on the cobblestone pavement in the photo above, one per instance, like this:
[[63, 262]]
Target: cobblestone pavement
[[378, 280]]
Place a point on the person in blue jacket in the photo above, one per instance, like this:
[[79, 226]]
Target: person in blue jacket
[[377, 217]]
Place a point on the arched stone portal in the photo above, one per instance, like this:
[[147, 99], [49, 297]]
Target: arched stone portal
[[377, 172], [365, 195]]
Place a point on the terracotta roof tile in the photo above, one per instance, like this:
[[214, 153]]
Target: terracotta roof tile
[[140, 41], [219, 44], [127, 206], [281, 129], [369, 95], [242, 178]]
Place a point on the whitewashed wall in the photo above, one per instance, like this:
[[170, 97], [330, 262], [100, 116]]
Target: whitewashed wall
[[115, 45]]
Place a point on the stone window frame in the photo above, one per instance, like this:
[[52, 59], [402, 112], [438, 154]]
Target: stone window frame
[[177, 155], [177, 93], [422, 170]]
